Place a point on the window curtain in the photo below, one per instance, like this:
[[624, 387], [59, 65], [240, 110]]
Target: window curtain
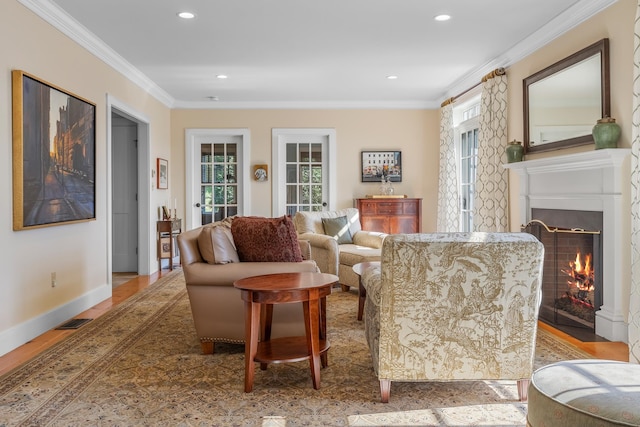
[[491, 211], [448, 197], [634, 297]]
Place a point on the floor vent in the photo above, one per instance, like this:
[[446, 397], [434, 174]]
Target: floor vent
[[74, 323]]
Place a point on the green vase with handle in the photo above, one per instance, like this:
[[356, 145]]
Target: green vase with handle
[[515, 151], [606, 133]]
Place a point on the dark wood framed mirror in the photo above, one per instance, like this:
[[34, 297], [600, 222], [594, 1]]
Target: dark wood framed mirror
[[563, 101]]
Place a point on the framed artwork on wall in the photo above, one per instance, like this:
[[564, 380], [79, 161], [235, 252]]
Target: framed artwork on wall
[[162, 173], [54, 146], [379, 164], [261, 172]]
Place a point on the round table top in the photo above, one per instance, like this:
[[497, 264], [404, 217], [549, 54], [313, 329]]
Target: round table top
[[362, 266], [286, 281]]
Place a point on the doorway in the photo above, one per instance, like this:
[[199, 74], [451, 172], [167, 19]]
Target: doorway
[[129, 223], [304, 170], [124, 196]]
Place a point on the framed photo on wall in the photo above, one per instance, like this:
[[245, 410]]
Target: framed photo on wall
[[378, 164], [54, 154], [162, 173]]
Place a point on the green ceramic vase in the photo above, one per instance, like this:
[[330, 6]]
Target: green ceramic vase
[[606, 133], [515, 151]]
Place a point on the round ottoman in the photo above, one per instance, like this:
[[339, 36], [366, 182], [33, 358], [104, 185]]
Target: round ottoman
[[585, 393]]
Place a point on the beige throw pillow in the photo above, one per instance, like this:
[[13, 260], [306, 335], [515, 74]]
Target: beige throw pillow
[[224, 250]]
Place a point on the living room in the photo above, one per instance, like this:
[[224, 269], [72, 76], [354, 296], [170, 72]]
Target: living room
[[77, 252]]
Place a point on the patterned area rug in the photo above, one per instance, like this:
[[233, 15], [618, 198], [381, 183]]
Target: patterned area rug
[[140, 364]]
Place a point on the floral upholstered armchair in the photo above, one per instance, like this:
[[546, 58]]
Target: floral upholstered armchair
[[454, 306]]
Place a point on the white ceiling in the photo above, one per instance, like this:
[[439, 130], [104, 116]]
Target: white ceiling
[[304, 53]]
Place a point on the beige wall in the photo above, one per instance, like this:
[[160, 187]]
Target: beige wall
[[414, 132], [76, 252]]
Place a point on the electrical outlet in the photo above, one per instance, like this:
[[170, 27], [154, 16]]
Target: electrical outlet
[[54, 280]]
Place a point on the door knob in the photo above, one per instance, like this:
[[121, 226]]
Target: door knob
[[197, 205]]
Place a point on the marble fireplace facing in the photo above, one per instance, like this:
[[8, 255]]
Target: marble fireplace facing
[[593, 181]]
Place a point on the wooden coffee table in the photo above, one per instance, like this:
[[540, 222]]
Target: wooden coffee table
[[311, 289], [362, 292]]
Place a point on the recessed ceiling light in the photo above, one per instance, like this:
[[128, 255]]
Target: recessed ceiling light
[[222, 76], [186, 15], [392, 77], [442, 17]]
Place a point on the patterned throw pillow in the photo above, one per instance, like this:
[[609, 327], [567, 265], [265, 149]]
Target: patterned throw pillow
[[338, 228], [260, 239]]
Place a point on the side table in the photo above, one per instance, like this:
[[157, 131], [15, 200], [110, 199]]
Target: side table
[[168, 230], [309, 288], [362, 292]]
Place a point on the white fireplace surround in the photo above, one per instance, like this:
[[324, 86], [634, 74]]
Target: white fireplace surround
[[591, 181]]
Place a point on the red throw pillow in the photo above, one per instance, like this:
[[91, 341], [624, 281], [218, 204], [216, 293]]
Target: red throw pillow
[[260, 239]]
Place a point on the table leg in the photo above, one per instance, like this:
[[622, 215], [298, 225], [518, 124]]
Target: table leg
[[362, 295], [252, 328], [323, 330], [312, 316], [266, 327]]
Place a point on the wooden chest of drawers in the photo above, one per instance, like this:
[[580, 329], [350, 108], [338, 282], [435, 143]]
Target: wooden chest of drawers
[[393, 216]]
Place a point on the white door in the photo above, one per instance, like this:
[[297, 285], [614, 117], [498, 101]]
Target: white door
[[215, 163], [124, 175], [304, 170]]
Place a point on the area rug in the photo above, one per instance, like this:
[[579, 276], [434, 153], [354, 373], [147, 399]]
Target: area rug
[[140, 364]]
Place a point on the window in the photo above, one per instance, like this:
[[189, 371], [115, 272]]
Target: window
[[466, 124]]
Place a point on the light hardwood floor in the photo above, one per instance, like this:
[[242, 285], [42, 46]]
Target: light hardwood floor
[[601, 350]]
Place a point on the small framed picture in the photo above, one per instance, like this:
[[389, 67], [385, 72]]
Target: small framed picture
[[260, 172], [162, 172], [379, 164], [165, 247], [165, 213]]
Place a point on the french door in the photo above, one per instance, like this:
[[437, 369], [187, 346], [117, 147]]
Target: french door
[[304, 170], [216, 189]]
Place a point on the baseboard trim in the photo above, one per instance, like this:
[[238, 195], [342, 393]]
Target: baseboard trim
[[20, 334]]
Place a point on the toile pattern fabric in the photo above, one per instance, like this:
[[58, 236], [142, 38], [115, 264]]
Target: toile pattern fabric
[[448, 197], [454, 306], [491, 204], [634, 297]]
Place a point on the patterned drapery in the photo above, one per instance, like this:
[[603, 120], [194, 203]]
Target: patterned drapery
[[448, 197], [634, 297], [491, 212]]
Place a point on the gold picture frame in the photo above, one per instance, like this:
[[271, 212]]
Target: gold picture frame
[[54, 154]]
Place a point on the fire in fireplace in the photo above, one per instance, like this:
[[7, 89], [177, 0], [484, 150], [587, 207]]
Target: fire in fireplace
[[579, 296], [572, 272]]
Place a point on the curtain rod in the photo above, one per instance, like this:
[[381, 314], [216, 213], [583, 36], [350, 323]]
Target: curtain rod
[[497, 72]]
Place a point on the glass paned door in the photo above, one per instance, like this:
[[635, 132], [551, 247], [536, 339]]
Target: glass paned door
[[305, 177], [218, 180], [304, 166]]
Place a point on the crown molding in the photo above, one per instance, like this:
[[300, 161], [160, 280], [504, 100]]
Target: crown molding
[[567, 20], [308, 105], [62, 21]]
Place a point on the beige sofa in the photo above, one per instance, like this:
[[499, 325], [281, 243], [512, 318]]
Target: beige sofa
[[217, 308], [334, 258], [454, 306]]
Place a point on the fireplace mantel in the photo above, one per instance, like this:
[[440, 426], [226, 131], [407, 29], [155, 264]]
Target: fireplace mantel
[[590, 181]]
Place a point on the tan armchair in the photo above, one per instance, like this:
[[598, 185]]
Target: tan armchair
[[334, 258], [454, 306]]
